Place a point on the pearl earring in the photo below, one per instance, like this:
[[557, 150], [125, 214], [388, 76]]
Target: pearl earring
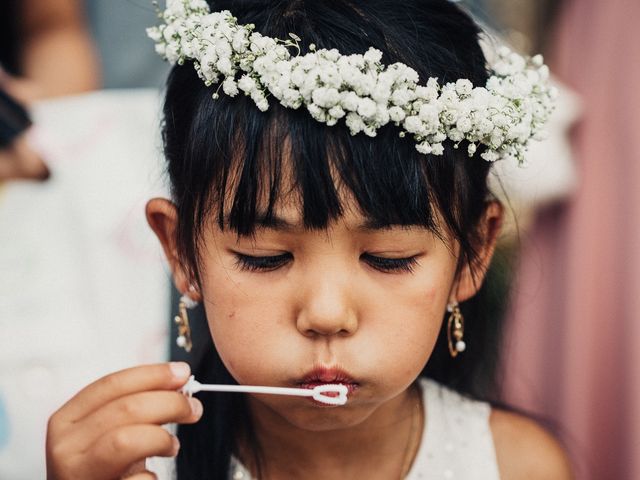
[[455, 330], [182, 320]]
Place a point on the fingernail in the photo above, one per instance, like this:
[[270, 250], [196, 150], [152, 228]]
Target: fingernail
[[176, 445], [180, 369], [196, 406]]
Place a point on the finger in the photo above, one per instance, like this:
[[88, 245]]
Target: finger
[[163, 376], [157, 408], [113, 453], [146, 475], [138, 467]]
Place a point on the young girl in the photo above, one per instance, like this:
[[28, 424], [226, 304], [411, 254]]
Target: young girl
[[330, 208]]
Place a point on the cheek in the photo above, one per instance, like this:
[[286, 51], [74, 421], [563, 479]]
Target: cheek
[[407, 328], [246, 326]]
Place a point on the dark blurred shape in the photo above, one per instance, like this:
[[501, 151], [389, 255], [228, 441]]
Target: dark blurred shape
[[9, 36], [14, 119]]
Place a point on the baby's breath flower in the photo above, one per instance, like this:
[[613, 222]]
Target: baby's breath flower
[[502, 116], [366, 108], [230, 87]]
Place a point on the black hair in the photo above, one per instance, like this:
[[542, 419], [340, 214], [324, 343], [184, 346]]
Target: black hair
[[226, 160]]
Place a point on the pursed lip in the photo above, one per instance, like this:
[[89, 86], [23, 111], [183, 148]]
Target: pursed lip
[[328, 375]]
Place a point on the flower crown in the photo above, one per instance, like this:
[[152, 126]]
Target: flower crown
[[502, 116]]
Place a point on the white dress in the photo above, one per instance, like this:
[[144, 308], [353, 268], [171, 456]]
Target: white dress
[[456, 442]]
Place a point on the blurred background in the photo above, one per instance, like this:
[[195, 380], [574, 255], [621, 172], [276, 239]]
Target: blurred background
[[84, 290]]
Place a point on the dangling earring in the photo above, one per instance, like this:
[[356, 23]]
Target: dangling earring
[[455, 330], [182, 320]]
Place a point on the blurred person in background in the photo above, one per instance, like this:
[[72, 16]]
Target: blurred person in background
[[45, 51], [82, 282]]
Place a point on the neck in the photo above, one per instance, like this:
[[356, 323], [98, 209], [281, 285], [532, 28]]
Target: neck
[[385, 442]]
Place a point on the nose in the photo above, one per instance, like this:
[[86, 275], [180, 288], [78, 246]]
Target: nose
[[327, 307]]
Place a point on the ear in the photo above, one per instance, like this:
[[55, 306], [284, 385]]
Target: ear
[[470, 277], [162, 216]]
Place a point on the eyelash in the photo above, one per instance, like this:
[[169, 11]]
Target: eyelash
[[270, 263]]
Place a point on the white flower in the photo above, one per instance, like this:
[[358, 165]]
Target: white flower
[[240, 41], [366, 108], [154, 34], [223, 48], [298, 76], [397, 114], [402, 96], [428, 94], [169, 33], [262, 104], [365, 85], [224, 66], [520, 132], [370, 131], [437, 149], [337, 112], [382, 116], [259, 44], [247, 84], [381, 94], [317, 112], [291, 98], [332, 55], [326, 97], [490, 156], [172, 53], [330, 76], [408, 75], [485, 127], [413, 124], [439, 137], [464, 86], [464, 124], [502, 116], [500, 120], [161, 49], [456, 135], [354, 123], [373, 56], [424, 148], [230, 87], [429, 114], [349, 101]]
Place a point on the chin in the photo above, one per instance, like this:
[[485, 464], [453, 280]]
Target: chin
[[317, 417]]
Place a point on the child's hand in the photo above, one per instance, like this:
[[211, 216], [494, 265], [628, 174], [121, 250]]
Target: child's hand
[[114, 423]]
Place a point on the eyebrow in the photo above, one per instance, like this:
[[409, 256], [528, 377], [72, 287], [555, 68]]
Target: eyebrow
[[275, 222]]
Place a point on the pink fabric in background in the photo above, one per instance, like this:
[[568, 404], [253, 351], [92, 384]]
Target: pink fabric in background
[[573, 354]]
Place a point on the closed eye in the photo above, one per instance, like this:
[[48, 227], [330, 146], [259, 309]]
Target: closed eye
[[262, 264], [390, 265]]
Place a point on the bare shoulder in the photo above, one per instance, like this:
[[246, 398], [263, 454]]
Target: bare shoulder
[[525, 450]]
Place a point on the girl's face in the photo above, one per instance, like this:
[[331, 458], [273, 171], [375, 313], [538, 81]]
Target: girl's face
[[352, 304]]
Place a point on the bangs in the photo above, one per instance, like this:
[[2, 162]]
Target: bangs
[[255, 161]]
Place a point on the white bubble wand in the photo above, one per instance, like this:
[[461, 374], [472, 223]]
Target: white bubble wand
[[321, 393]]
